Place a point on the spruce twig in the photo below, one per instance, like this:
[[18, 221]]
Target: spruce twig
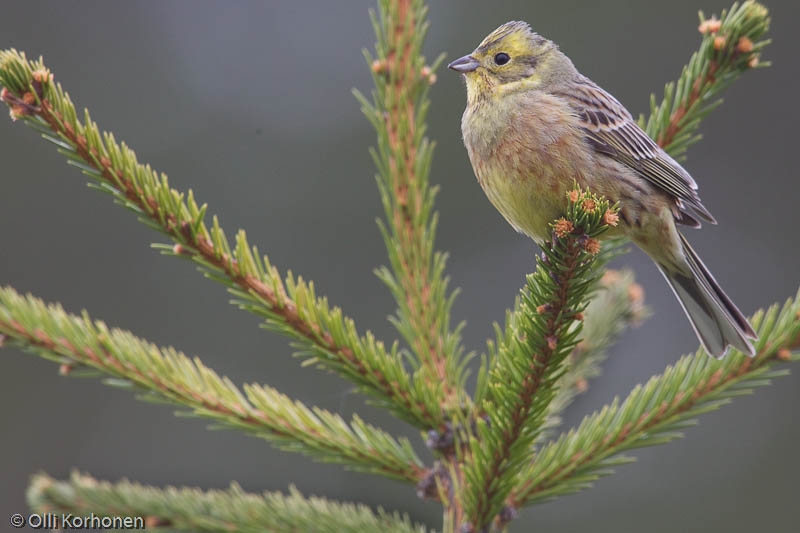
[[613, 309], [522, 382], [324, 334], [731, 46], [397, 111], [189, 509], [80, 344], [656, 412]]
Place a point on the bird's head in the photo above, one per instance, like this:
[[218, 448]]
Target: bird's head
[[511, 58]]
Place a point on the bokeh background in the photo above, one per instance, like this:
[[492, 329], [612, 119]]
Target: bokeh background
[[249, 104]]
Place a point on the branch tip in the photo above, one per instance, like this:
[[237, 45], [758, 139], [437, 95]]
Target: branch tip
[[574, 195], [563, 227], [611, 218], [745, 45], [592, 246], [710, 26]]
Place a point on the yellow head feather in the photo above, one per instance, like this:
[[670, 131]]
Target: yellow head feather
[[513, 57], [515, 36]]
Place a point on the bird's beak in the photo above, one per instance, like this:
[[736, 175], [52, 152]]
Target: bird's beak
[[464, 64]]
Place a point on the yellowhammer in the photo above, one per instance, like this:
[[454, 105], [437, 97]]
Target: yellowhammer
[[534, 126]]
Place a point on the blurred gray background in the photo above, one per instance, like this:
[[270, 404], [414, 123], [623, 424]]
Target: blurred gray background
[[249, 104]]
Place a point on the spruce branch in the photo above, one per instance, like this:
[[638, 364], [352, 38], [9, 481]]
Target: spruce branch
[[618, 305], [731, 46], [324, 335], [397, 110], [190, 509], [80, 344], [656, 412], [530, 359]]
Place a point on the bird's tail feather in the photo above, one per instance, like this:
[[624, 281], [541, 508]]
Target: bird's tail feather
[[714, 317]]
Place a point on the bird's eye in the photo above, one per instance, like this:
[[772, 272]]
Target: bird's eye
[[502, 58]]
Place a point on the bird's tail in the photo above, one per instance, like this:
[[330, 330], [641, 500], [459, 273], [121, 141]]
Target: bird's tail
[[714, 317]]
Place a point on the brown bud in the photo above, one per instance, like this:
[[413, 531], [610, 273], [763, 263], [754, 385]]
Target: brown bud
[[589, 205], [552, 342], [610, 218], [610, 276], [574, 195], [719, 42], [745, 45], [636, 294], [592, 246], [378, 66], [582, 385], [428, 75], [711, 25], [784, 354], [563, 227], [42, 75], [19, 111]]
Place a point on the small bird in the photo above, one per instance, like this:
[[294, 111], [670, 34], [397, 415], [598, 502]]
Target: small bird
[[534, 126]]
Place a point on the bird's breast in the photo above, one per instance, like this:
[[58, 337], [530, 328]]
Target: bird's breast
[[526, 152]]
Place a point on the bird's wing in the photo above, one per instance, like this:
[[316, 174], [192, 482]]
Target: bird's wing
[[611, 130]]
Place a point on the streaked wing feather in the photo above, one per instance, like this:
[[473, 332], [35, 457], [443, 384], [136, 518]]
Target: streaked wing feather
[[611, 130]]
